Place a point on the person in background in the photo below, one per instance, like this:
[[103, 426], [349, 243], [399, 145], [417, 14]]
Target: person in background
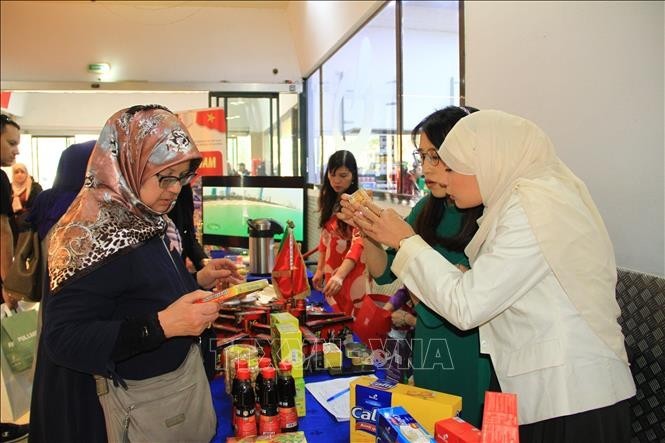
[[24, 191], [340, 273], [10, 137], [121, 305], [460, 369], [542, 283], [242, 170], [51, 204]]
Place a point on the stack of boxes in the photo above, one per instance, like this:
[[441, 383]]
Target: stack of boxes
[[287, 345], [368, 395]]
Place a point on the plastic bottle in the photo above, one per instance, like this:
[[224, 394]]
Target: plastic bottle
[[264, 362], [237, 364], [269, 420], [244, 407], [286, 396]]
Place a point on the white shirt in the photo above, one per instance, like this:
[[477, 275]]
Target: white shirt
[[541, 347]]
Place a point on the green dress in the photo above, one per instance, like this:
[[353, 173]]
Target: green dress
[[446, 359]]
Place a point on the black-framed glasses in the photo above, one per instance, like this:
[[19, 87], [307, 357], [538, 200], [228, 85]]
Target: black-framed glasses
[[430, 155], [166, 181]]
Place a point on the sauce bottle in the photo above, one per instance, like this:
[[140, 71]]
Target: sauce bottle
[[286, 398], [269, 420]]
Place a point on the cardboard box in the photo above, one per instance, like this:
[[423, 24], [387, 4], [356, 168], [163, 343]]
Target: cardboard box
[[500, 418], [287, 345], [369, 394], [396, 425], [456, 430]]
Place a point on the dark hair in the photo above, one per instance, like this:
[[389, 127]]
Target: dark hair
[[6, 120], [436, 126], [328, 197]]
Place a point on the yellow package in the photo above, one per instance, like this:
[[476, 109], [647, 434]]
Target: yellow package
[[287, 345], [369, 394], [278, 318], [301, 406], [332, 356]]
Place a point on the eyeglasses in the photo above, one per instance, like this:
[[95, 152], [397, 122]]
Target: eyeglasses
[[166, 181], [431, 155]]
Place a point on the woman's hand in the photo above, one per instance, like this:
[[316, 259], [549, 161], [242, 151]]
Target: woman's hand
[[333, 285], [317, 280], [185, 317], [218, 270], [402, 318], [382, 225]]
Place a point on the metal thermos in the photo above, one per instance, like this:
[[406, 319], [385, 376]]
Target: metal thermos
[[261, 239]]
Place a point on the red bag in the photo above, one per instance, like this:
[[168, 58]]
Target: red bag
[[372, 322]]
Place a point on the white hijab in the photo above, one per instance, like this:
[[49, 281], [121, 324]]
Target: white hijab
[[509, 154]]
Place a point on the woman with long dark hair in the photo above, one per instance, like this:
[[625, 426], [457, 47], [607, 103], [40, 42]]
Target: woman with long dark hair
[[444, 358], [340, 273]]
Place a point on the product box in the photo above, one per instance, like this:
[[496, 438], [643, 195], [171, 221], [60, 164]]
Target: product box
[[287, 345], [332, 356], [395, 425], [369, 394], [239, 352], [287, 437], [456, 430], [279, 318], [500, 418], [301, 406]]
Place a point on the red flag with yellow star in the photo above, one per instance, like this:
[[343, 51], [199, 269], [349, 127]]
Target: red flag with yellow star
[[289, 276], [212, 118]]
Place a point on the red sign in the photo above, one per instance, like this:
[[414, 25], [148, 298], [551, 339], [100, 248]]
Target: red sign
[[212, 164]]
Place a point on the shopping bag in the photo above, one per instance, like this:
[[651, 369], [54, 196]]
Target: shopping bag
[[372, 322], [19, 339], [24, 277], [289, 276], [15, 387]]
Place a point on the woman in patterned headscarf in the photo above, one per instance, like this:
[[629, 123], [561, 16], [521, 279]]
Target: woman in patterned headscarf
[[542, 284], [121, 305]]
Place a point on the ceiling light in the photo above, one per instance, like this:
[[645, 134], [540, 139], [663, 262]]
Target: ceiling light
[[99, 68]]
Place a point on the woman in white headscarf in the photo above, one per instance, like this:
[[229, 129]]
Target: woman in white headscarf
[[24, 192], [542, 284]]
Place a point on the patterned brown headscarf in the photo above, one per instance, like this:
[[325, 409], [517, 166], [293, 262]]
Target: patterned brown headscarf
[[108, 217]]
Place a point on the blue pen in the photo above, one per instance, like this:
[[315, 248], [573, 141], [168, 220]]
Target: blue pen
[[339, 394]]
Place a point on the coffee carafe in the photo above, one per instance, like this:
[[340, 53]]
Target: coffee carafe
[[261, 239]]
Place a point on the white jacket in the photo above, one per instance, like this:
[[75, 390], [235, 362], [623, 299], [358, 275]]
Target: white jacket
[[541, 348]]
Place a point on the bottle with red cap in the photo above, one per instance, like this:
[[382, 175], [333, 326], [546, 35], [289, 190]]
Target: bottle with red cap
[[237, 364], [264, 362], [269, 419], [286, 398], [245, 418]]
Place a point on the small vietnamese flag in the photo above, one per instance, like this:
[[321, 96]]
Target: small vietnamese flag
[[289, 276], [212, 118]]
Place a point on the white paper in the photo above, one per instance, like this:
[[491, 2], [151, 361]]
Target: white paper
[[339, 407]]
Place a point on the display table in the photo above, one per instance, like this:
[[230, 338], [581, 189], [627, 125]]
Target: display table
[[318, 424]]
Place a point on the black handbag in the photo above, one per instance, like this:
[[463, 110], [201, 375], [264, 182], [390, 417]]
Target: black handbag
[[24, 278]]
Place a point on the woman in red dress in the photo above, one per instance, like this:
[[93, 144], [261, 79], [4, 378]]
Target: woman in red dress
[[340, 273]]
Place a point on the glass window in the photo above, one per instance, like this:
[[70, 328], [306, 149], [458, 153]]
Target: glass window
[[359, 101], [314, 162], [289, 143]]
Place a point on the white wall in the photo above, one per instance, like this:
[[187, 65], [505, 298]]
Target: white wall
[[317, 27], [67, 113], [591, 75]]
